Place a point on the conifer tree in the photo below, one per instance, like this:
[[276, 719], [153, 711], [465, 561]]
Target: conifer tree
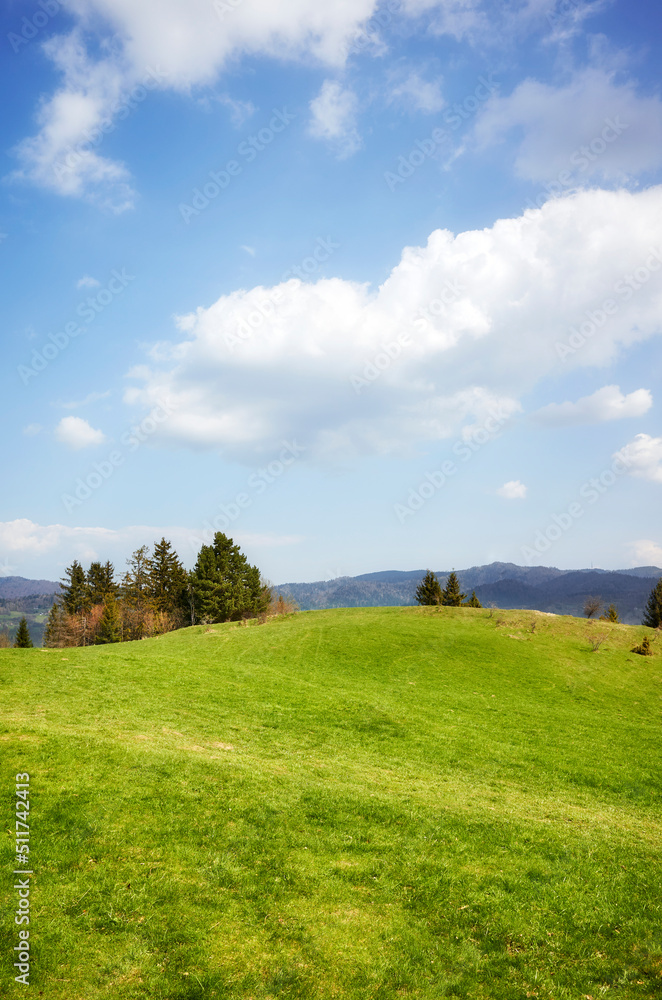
[[225, 587], [611, 615], [75, 595], [100, 581], [22, 639], [653, 611], [167, 578], [110, 624], [473, 601], [135, 585], [55, 634], [429, 589], [451, 597]]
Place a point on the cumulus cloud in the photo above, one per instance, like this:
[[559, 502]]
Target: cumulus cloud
[[513, 490], [607, 403], [77, 433], [333, 118], [143, 45], [643, 457], [646, 553], [461, 326], [418, 94], [593, 127]]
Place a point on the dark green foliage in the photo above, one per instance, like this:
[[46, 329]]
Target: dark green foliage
[[100, 581], [429, 590], [167, 578], [611, 615], [451, 597], [224, 586], [23, 640], [75, 593], [653, 609], [473, 601], [110, 624], [55, 634], [644, 647]]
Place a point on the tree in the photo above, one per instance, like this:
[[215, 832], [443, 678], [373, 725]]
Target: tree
[[75, 594], [167, 579], [56, 632], [225, 587], [135, 592], [450, 595], [22, 639], [429, 589], [473, 601], [653, 609], [100, 581], [611, 615], [110, 625], [592, 605]]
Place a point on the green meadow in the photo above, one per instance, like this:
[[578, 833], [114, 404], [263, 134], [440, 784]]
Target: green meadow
[[368, 803]]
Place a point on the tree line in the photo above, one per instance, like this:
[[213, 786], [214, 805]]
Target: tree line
[[156, 595], [430, 591]]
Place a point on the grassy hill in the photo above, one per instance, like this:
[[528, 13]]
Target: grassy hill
[[365, 803]]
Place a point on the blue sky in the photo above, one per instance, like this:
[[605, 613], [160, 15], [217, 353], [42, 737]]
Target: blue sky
[[365, 285]]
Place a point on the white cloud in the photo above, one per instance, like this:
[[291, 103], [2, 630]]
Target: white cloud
[[87, 282], [334, 118], [643, 456], [182, 44], [513, 490], [481, 314], [458, 18], [419, 94], [593, 127], [77, 433], [32, 429], [646, 553], [249, 250], [607, 403]]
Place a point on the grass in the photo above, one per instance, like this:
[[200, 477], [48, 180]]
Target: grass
[[363, 803]]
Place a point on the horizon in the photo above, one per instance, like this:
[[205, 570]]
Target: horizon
[[337, 281]]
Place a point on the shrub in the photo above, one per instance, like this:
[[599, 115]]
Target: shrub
[[644, 647]]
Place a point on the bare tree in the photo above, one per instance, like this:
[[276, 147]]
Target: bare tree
[[592, 605]]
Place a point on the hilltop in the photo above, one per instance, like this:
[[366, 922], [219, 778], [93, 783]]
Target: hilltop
[[380, 803]]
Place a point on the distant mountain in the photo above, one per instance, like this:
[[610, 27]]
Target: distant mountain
[[18, 586], [506, 585]]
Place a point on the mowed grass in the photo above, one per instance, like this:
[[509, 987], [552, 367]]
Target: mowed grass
[[363, 803]]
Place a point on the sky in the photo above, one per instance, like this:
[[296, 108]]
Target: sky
[[364, 285]]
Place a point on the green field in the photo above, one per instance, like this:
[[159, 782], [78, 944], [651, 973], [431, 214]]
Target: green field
[[365, 803]]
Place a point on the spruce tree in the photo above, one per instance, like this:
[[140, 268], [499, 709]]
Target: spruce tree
[[451, 597], [167, 578], [110, 623], [611, 615], [473, 601], [22, 639], [225, 587], [75, 595], [653, 611], [429, 589], [55, 634], [100, 581]]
